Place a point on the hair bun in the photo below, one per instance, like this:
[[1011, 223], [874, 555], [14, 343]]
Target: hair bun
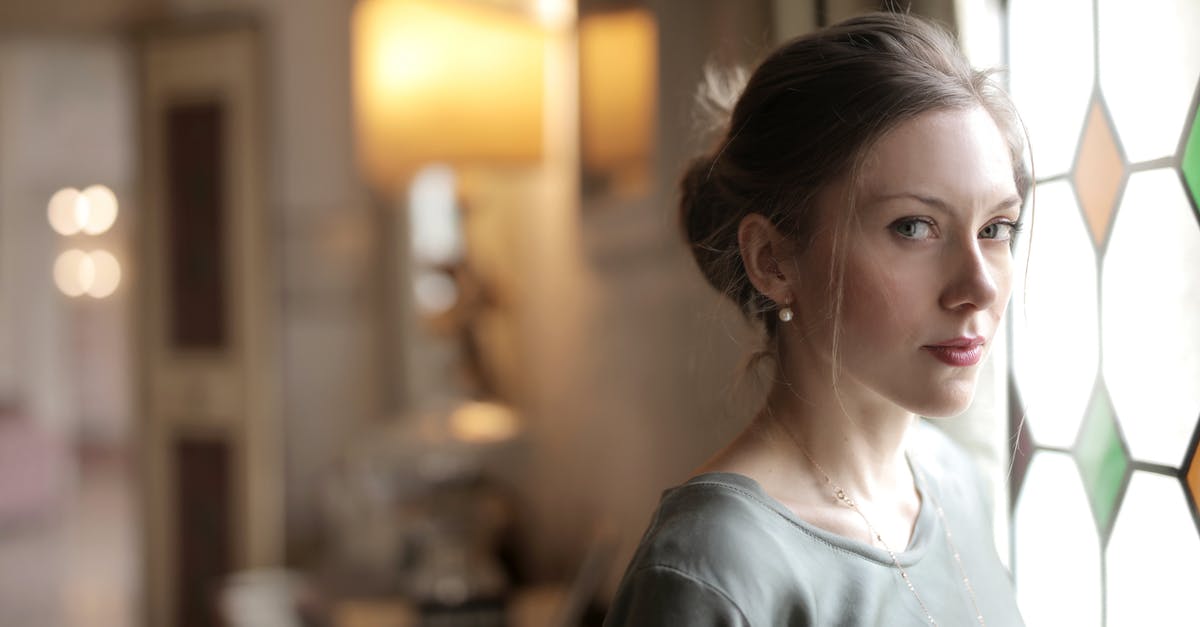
[[708, 224], [717, 95]]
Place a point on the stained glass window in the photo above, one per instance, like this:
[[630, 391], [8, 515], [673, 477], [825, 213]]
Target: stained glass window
[[1054, 57], [1149, 60], [1151, 311], [1055, 315], [1059, 546], [1153, 556], [1106, 321]]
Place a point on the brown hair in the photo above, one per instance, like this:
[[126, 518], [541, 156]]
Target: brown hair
[[807, 116]]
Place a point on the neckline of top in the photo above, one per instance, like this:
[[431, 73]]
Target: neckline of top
[[923, 531]]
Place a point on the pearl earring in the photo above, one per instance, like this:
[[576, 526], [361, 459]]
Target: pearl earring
[[786, 314]]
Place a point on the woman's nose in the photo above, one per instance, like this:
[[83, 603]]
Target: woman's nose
[[972, 283]]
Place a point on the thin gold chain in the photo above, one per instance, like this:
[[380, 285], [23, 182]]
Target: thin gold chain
[[953, 548], [845, 499]]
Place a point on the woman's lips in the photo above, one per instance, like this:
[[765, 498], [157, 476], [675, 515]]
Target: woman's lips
[[961, 351]]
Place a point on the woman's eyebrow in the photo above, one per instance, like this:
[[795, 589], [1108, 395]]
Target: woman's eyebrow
[[938, 203]]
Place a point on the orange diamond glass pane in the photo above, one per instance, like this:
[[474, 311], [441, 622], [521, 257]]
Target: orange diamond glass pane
[[1193, 478], [1098, 172]]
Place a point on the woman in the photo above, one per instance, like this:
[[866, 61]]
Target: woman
[[862, 205]]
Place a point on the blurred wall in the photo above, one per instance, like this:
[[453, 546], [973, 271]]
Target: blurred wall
[[66, 119], [632, 373]]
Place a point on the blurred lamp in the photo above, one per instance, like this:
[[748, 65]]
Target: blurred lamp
[[618, 84], [479, 422], [556, 13], [444, 81]]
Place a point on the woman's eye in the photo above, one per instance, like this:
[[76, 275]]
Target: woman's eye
[[998, 230], [913, 228]]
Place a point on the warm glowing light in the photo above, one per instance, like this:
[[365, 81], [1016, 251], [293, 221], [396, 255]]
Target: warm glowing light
[[102, 209], [106, 274], [618, 59], [96, 274], [68, 272], [61, 211], [555, 13], [444, 81], [82, 210], [92, 211], [482, 423], [87, 272]]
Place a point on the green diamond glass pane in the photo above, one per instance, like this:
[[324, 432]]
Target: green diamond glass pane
[[1102, 458], [1191, 160]]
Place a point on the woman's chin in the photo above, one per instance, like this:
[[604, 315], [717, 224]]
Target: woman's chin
[[948, 403]]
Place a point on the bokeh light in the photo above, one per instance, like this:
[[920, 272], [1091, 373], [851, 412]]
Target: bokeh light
[[102, 209], [68, 272], [92, 211], [61, 211], [106, 274], [97, 274]]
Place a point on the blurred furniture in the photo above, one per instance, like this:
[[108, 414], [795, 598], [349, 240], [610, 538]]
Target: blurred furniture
[[211, 432]]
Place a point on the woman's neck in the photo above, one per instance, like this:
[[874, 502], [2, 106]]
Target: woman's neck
[[862, 451], [811, 434], [848, 431]]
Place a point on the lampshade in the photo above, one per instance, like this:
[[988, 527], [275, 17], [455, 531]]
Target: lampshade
[[444, 81], [618, 84]]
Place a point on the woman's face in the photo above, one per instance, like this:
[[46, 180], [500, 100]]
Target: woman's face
[[928, 268]]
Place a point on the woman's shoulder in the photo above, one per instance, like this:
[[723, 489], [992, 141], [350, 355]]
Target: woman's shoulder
[[716, 542], [718, 516]]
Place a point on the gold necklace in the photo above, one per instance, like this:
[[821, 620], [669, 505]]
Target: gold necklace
[[845, 499]]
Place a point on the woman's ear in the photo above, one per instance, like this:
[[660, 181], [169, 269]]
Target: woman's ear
[[764, 250]]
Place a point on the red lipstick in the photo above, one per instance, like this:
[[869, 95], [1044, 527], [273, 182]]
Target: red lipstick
[[960, 351]]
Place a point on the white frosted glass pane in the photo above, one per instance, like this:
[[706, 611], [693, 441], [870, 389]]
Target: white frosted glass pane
[[1149, 63], [1153, 557], [1051, 63], [1151, 305], [1055, 326], [1057, 549]]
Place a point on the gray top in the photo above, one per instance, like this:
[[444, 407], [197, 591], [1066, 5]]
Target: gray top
[[720, 551]]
